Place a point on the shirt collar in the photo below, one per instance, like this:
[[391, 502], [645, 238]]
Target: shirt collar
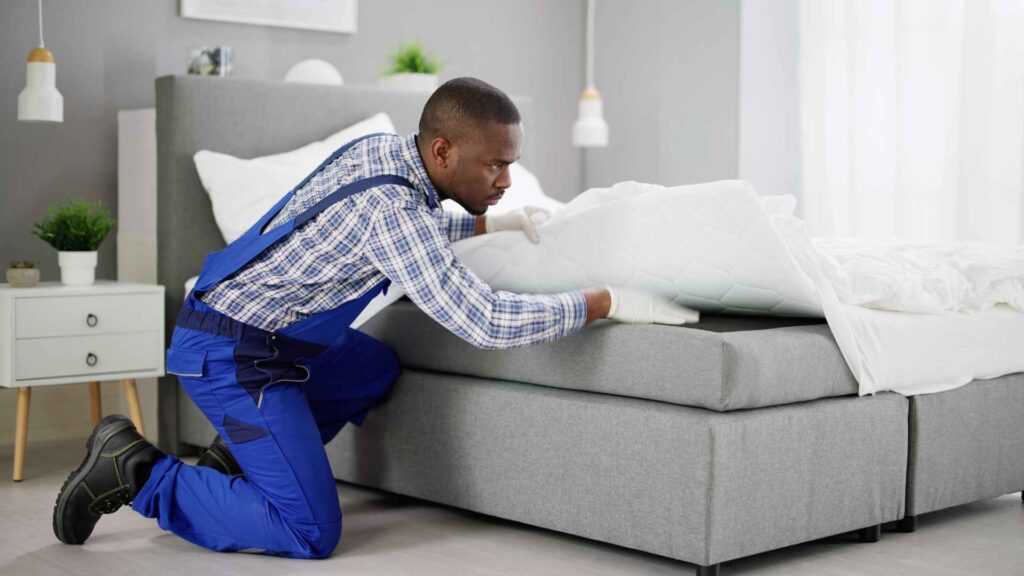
[[411, 156]]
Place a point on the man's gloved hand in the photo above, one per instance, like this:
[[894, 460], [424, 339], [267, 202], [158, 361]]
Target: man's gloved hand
[[526, 219], [637, 307]]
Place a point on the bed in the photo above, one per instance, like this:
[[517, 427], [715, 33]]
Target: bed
[[702, 443]]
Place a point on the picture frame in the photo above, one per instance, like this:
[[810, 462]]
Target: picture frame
[[338, 16]]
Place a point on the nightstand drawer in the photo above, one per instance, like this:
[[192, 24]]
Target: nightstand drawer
[[86, 355], [81, 315]]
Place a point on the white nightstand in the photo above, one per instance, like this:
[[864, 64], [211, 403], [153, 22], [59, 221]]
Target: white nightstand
[[54, 334]]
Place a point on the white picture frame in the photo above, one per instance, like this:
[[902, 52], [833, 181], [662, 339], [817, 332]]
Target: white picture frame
[[339, 16]]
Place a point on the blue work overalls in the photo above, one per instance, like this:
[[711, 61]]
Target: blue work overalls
[[277, 398]]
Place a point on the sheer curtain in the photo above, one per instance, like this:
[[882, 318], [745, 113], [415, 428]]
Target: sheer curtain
[[912, 118]]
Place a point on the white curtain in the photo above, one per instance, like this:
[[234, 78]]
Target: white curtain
[[912, 119]]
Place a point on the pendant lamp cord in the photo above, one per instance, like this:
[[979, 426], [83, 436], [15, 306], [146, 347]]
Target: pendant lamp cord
[[590, 44], [41, 43]]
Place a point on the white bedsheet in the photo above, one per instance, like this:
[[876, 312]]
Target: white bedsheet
[[910, 318], [917, 318]]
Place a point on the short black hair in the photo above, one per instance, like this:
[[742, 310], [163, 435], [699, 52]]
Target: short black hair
[[464, 103]]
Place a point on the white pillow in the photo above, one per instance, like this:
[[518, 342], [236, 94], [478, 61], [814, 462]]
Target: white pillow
[[241, 191], [524, 191]]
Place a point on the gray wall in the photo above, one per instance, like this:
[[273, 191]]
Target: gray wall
[[668, 72], [108, 53], [699, 90]]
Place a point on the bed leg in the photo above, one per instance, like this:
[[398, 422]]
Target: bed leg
[[907, 524], [870, 534], [708, 570]]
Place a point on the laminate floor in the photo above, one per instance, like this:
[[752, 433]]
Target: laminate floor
[[389, 535]]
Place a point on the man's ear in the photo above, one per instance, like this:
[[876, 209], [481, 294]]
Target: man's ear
[[441, 151]]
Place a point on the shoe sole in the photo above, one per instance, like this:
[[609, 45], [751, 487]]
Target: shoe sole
[[76, 477]]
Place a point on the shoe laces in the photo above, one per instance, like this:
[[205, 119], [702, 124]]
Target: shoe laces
[[109, 502]]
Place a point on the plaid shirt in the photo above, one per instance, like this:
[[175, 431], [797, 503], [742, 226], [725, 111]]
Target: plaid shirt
[[393, 232]]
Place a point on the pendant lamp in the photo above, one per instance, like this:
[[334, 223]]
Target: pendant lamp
[[590, 129], [40, 101]]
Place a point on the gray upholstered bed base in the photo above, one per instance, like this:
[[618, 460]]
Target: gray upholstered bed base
[[688, 483], [966, 444]]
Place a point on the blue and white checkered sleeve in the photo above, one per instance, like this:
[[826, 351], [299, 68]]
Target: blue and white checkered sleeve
[[409, 247], [459, 225]]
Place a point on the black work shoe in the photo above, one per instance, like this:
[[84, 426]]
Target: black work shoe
[[218, 457], [117, 463]]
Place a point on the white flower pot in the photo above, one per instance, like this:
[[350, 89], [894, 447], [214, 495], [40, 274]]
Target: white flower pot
[[77, 268], [409, 81]]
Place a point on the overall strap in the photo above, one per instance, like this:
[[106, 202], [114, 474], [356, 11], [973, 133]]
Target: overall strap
[[257, 228], [239, 253], [348, 190]]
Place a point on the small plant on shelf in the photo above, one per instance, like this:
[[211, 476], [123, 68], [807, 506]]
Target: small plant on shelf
[[411, 68], [410, 58], [76, 229], [75, 226]]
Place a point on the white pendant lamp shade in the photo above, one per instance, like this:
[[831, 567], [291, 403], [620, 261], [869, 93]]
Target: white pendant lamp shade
[[40, 101], [590, 129]]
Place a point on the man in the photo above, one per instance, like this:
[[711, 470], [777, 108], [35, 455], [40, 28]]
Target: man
[[263, 344]]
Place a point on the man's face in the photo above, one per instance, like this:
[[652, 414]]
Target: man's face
[[476, 169]]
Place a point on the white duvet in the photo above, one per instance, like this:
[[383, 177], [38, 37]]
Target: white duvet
[[911, 318]]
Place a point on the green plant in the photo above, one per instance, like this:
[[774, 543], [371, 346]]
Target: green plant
[[22, 264], [75, 226], [410, 58]]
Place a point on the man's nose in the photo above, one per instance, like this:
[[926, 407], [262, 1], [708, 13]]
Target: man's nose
[[504, 179]]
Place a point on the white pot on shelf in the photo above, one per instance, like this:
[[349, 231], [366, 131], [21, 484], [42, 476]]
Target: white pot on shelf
[[409, 81], [77, 268]]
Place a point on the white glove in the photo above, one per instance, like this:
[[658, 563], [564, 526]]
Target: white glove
[[526, 219], [636, 307]]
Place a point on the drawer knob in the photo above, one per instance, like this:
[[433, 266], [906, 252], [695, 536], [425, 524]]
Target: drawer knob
[[91, 359], [91, 320]]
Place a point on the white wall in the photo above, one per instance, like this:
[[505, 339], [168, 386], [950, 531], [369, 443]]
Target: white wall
[[769, 144]]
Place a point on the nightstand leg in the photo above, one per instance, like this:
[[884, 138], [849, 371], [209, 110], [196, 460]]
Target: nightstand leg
[[134, 410], [21, 433], [97, 402]]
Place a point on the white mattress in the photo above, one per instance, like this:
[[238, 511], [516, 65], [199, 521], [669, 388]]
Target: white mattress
[[707, 246]]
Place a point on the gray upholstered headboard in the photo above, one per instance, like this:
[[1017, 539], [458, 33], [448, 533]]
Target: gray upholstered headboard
[[244, 118]]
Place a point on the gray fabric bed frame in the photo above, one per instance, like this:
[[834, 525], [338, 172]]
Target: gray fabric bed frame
[[670, 467]]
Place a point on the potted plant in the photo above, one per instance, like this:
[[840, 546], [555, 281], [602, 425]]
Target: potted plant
[[76, 229], [411, 69], [22, 274]]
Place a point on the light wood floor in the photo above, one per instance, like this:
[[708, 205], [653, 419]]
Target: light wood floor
[[389, 535]]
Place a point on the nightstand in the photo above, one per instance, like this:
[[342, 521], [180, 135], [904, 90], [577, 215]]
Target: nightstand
[[53, 334]]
